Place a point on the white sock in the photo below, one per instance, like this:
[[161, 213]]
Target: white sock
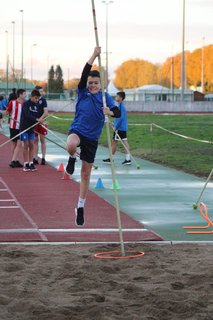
[[81, 202], [128, 157]]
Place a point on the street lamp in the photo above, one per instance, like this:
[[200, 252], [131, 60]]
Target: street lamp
[[7, 58], [183, 53], [22, 46], [107, 2], [202, 68], [186, 66], [48, 58], [13, 22], [33, 45]]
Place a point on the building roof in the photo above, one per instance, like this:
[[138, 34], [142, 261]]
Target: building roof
[[153, 87], [112, 89]]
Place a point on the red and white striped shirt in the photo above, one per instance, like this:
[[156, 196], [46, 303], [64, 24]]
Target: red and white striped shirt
[[14, 109]]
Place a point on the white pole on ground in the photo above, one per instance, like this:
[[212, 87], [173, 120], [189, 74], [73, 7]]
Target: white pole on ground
[[204, 187], [108, 136], [125, 147]]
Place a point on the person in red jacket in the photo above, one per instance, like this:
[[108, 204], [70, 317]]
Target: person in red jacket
[[14, 110]]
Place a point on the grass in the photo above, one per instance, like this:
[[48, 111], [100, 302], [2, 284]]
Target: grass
[[160, 146]]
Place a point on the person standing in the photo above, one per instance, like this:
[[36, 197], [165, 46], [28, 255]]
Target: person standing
[[86, 128], [121, 128], [29, 117], [2, 108], [40, 131], [14, 110], [13, 95]]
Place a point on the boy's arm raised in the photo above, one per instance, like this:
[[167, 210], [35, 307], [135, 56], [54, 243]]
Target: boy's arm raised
[[83, 81]]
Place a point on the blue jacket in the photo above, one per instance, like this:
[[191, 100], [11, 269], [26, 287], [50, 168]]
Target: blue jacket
[[121, 123], [89, 117]]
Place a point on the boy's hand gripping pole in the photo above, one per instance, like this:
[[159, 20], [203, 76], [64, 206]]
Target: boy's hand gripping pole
[[108, 135]]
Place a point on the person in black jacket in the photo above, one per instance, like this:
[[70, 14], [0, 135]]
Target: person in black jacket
[[29, 117]]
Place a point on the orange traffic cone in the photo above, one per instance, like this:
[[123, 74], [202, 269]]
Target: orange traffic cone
[[61, 168], [66, 176]]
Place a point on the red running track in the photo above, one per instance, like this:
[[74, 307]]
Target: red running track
[[39, 206]]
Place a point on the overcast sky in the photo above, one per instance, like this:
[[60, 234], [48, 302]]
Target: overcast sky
[[64, 34]]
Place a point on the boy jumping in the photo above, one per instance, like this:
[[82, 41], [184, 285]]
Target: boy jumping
[[86, 128]]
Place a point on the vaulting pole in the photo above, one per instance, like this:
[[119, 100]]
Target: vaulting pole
[[108, 136]]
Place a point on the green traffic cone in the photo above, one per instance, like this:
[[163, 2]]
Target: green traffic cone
[[117, 187]]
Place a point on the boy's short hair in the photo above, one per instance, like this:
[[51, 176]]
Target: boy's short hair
[[35, 93], [94, 73], [20, 91], [38, 88], [121, 94]]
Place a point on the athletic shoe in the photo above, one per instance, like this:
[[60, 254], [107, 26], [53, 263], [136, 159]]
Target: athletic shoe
[[35, 161], [12, 164], [79, 212], [18, 164], [107, 160], [26, 167], [126, 162], [32, 167], [70, 165], [43, 161]]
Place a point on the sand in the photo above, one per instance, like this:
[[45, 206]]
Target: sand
[[52, 282]]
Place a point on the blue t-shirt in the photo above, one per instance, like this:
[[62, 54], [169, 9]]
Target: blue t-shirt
[[89, 117], [121, 123]]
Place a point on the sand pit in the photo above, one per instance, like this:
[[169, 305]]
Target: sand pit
[[61, 282]]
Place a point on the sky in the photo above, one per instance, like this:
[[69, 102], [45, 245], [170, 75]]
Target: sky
[[63, 32]]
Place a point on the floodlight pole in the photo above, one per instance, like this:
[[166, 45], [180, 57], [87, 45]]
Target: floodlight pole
[[22, 47], [202, 68], [13, 22], [183, 53], [172, 78], [7, 62], [33, 45]]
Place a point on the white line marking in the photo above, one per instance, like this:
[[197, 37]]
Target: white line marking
[[91, 230], [4, 200], [70, 230], [9, 207], [3, 189], [152, 242], [27, 216], [18, 230]]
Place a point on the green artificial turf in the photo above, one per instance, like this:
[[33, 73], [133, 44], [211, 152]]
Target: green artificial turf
[[152, 143]]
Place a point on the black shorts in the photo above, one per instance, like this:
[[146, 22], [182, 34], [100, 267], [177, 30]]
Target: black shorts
[[13, 133], [122, 135], [88, 148]]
